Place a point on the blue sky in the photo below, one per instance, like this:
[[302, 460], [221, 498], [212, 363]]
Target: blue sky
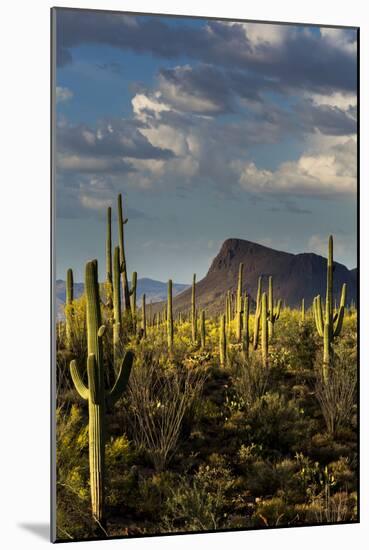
[[210, 130]]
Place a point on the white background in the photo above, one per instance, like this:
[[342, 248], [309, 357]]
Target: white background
[[24, 270]]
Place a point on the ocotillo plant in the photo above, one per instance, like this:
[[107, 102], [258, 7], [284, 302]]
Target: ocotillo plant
[[68, 310], [203, 329], [329, 325], [257, 315], [272, 316], [170, 317], [264, 329], [121, 224], [246, 335], [193, 310], [109, 278], [95, 393], [144, 315], [117, 312], [222, 342], [132, 294], [239, 303]]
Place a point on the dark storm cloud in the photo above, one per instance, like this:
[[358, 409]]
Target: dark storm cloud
[[85, 149], [327, 119], [301, 61]]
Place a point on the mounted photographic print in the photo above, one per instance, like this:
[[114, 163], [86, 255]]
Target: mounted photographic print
[[204, 275]]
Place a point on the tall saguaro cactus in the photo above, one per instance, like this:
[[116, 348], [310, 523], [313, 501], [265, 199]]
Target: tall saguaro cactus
[[273, 316], [329, 325], [69, 296], [193, 310], [117, 311], [246, 335], [264, 329], [222, 342], [203, 329], [121, 224], [170, 317], [144, 315], [95, 393], [239, 303], [257, 315], [133, 294], [109, 277]]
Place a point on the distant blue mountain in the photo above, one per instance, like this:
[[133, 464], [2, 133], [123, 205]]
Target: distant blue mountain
[[156, 291]]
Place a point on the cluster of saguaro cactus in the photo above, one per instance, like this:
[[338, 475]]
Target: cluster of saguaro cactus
[[94, 391], [68, 310], [329, 324]]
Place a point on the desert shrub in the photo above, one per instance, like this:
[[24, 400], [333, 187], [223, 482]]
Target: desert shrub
[[251, 378], [337, 394], [276, 423], [274, 512], [198, 502], [160, 400]]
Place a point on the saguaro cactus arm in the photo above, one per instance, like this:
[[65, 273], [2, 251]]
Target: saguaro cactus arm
[[341, 312], [318, 315], [78, 382], [122, 378]]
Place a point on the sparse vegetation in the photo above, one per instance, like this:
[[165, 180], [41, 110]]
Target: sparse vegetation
[[244, 418]]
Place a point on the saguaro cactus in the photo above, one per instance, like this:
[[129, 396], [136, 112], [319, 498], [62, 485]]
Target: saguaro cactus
[[264, 329], [222, 342], [144, 315], [170, 317], [246, 335], [329, 325], [109, 277], [239, 303], [203, 329], [121, 224], [193, 310], [257, 315], [272, 316], [133, 294], [68, 310], [117, 311], [95, 393]]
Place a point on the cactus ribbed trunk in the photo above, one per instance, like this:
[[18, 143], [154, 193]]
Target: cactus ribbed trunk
[[121, 223], [170, 317], [239, 303], [193, 310], [246, 335], [109, 276], [117, 313], [264, 329], [303, 310], [133, 294], [257, 315], [69, 296], [96, 432], [222, 342], [203, 329], [144, 315]]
